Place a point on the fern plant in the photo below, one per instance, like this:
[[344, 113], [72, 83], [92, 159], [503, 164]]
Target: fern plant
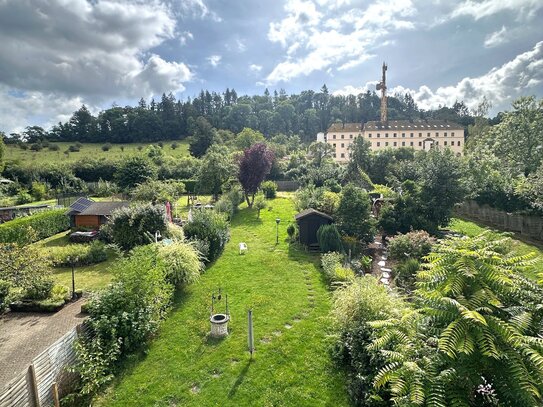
[[476, 339]]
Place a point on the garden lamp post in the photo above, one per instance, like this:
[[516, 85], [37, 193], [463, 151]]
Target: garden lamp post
[[277, 220], [157, 236]]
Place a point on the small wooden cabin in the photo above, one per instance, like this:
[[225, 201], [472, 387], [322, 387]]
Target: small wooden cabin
[[309, 221], [85, 213]]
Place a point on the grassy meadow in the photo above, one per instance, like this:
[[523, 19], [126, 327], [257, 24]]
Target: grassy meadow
[[283, 286], [93, 150]]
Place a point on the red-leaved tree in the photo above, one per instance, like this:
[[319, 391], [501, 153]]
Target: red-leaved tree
[[254, 164]]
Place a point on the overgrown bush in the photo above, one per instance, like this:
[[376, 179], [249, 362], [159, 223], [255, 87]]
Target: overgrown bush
[[136, 225], [23, 197], [38, 190], [335, 272], [269, 189], [329, 238], [292, 231], [182, 263], [106, 147], [406, 272], [123, 317], [105, 189], [79, 254], [412, 245], [353, 214], [158, 191], [211, 227], [43, 224]]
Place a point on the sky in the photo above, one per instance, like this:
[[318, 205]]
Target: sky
[[58, 54]]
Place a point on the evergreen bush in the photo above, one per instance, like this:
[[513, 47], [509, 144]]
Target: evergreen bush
[[43, 224]]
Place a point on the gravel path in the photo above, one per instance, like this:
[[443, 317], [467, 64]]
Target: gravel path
[[24, 335]]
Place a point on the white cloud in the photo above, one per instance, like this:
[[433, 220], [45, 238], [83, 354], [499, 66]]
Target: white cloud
[[255, 67], [241, 45], [185, 36], [480, 9], [500, 85], [198, 8], [497, 38], [101, 50], [214, 60], [317, 41]]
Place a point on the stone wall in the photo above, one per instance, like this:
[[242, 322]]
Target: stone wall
[[526, 225]]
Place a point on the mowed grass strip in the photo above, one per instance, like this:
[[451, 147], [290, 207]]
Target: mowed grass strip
[[470, 228], [89, 150], [283, 286]]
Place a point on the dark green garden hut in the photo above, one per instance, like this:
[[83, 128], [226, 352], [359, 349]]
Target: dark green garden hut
[[309, 221]]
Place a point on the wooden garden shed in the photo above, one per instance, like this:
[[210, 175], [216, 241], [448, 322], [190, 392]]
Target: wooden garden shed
[[85, 213], [309, 221]]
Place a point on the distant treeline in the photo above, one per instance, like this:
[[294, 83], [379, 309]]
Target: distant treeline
[[304, 114]]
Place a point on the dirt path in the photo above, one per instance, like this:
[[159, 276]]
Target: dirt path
[[24, 335]]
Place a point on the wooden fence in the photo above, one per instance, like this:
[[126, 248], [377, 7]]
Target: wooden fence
[[525, 225], [46, 379]]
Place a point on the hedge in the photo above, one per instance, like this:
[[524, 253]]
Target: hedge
[[44, 224]]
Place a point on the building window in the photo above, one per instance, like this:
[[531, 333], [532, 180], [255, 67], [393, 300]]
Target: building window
[[395, 134], [411, 135], [420, 143], [334, 136], [386, 143], [334, 145], [445, 143], [378, 144], [420, 134], [342, 145], [437, 133], [403, 134], [436, 142], [369, 135], [342, 155], [452, 133], [458, 143], [411, 144], [452, 143], [403, 143], [343, 136], [445, 134], [378, 135], [351, 136], [395, 144], [386, 134], [428, 134]]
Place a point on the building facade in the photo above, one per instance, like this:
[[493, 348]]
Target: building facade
[[418, 134]]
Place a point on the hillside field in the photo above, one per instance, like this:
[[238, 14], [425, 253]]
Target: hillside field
[[94, 150]]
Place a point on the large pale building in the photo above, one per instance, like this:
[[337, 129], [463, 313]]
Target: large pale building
[[418, 134]]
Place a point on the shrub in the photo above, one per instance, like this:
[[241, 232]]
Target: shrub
[[211, 227], [92, 170], [133, 171], [353, 214], [105, 189], [174, 145], [43, 224], [406, 272], [292, 231], [4, 295], [175, 232], [329, 203], [92, 253], [259, 204], [106, 147], [235, 196], [158, 191], [224, 205], [38, 191], [36, 147], [182, 263], [412, 245], [269, 189], [137, 225], [74, 148], [123, 317], [23, 197], [333, 268], [329, 238], [53, 147]]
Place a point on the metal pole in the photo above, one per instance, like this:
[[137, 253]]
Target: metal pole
[[276, 233], [73, 280], [251, 338]]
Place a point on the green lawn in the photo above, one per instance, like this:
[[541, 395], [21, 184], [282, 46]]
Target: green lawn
[[87, 278], [469, 228], [284, 287], [93, 150]]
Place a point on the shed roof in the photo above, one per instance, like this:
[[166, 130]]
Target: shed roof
[[311, 211], [79, 205], [103, 208]]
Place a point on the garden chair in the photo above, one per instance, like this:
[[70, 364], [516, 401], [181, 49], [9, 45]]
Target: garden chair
[[242, 247]]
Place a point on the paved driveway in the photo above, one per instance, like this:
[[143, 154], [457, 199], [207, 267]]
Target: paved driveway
[[23, 336]]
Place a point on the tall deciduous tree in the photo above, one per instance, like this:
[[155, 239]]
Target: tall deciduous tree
[[254, 165], [217, 168], [133, 171], [353, 213], [203, 135]]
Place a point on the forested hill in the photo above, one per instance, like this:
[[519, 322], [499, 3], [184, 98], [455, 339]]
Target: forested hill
[[304, 114]]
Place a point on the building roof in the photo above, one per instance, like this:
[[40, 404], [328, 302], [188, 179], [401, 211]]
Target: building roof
[[345, 127], [103, 208], [79, 205], [413, 125], [311, 211]]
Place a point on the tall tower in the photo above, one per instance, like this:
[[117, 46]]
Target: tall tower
[[382, 86]]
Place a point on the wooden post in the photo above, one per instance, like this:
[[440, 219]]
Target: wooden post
[[54, 390], [34, 384]]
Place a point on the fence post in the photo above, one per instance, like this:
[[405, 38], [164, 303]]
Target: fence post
[[34, 384], [54, 390]]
